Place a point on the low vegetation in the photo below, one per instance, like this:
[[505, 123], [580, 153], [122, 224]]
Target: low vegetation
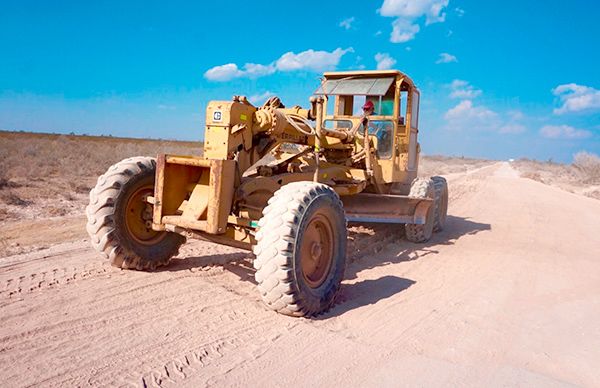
[[431, 165], [44, 175], [589, 165], [581, 177]]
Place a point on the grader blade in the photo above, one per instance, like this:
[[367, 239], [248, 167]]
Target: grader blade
[[390, 209]]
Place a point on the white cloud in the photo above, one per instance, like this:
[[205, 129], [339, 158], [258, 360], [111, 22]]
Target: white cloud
[[413, 9], [403, 31], [516, 115], [564, 131], [358, 64], [511, 123], [576, 98], [347, 23], [466, 110], [255, 70], [435, 13], [230, 71], [379, 32], [462, 90], [407, 12], [311, 60], [306, 60], [223, 72], [259, 99], [466, 116], [384, 61], [512, 128], [459, 11], [446, 58]]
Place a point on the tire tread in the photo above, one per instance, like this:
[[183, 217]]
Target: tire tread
[[100, 214], [275, 246]]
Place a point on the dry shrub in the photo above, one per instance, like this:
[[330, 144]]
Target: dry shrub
[[8, 184], [533, 175], [430, 165], [589, 164], [49, 156], [57, 211], [593, 194], [53, 172], [4, 215], [579, 177], [11, 198]]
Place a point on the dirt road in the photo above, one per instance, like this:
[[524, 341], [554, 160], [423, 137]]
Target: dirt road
[[508, 294]]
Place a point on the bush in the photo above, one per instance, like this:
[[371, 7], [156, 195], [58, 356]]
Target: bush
[[589, 164], [53, 174]]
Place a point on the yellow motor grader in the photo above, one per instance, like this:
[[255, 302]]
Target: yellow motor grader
[[282, 182]]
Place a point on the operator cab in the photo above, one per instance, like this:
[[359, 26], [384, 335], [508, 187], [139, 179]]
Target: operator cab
[[394, 122]]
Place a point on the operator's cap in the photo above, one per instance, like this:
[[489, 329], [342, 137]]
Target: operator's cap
[[368, 105]]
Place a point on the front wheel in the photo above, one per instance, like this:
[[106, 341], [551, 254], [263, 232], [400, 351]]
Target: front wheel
[[120, 218], [301, 249]]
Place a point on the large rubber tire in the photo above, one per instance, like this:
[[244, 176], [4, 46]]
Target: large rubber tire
[[301, 217], [441, 203], [421, 188], [117, 214]]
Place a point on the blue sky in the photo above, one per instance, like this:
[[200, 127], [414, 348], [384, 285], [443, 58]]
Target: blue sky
[[505, 80]]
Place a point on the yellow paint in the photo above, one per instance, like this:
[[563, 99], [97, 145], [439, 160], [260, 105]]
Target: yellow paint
[[233, 126]]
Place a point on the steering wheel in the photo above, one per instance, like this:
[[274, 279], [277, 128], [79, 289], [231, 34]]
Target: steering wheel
[[376, 131]]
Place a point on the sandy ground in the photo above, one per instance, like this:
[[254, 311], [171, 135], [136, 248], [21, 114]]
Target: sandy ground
[[507, 295]]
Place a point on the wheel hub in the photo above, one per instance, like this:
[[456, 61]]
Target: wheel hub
[[138, 217], [317, 250]]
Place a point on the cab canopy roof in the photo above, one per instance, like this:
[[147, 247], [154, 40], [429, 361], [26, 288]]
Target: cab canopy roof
[[367, 83]]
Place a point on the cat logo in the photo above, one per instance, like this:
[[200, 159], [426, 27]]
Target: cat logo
[[217, 115]]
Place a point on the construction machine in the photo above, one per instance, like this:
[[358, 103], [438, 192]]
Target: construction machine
[[282, 182]]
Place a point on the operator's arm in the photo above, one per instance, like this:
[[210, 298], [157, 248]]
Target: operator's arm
[[364, 121]]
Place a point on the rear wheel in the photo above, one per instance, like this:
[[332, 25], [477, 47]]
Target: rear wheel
[[120, 218], [301, 249], [441, 202], [422, 188]]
